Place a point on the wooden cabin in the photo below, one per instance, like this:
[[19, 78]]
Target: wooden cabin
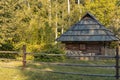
[[87, 36]]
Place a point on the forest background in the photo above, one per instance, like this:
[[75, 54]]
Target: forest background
[[37, 23]]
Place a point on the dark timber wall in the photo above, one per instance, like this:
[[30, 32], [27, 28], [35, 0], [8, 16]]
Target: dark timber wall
[[86, 47]]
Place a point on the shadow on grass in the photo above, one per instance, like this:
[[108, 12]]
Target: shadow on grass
[[40, 71], [36, 71]]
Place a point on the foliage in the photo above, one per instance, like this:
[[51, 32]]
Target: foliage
[[48, 58], [50, 49], [38, 22], [53, 49], [34, 48], [113, 44], [9, 56], [6, 46]]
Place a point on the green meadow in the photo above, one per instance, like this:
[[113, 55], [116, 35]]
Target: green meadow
[[12, 70]]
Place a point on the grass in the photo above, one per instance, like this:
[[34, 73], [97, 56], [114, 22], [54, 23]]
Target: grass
[[11, 70]]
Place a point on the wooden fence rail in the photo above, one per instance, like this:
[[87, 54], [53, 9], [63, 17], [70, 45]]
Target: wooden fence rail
[[117, 63], [12, 52], [82, 74], [83, 65], [116, 66]]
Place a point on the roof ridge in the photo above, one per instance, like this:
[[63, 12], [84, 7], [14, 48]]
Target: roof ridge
[[93, 17]]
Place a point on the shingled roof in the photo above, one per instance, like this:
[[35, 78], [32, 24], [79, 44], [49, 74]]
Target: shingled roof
[[88, 29]]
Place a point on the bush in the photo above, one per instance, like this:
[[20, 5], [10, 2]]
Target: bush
[[113, 44], [7, 55], [6, 46], [48, 58], [34, 48], [54, 51], [50, 49]]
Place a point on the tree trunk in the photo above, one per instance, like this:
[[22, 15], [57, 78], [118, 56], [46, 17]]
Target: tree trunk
[[27, 3], [68, 12], [68, 6], [62, 30], [56, 23], [49, 11], [78, 1]]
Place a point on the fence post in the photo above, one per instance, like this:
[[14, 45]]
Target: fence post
[[117, 63], [24, 56]]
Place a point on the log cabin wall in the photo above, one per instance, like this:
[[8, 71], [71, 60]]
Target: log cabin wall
[[86, 47]]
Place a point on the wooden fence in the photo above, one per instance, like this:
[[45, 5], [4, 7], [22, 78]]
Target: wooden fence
[[116, 66]]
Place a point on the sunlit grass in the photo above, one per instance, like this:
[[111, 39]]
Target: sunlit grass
[[11, 74]]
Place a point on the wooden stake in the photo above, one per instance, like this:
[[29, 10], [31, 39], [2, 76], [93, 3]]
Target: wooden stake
[[117, 63], [24, 56]]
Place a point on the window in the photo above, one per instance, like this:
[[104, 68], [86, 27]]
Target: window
[[82, 46]]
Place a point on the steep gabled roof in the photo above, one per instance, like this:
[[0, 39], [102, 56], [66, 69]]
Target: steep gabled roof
[[88, 29]]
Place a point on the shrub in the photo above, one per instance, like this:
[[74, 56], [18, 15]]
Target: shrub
[[48, 58], [34, 48], [19, 45], [6, 46], [50, 49], [9, 56], [113, 44]]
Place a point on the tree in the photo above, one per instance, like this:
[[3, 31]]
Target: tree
[[102, 9], [39, 22], [8, 29], [115, 21]]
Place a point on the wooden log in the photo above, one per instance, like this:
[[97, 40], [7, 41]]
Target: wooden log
[[117, 63], [11, 52], [24, 56]]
